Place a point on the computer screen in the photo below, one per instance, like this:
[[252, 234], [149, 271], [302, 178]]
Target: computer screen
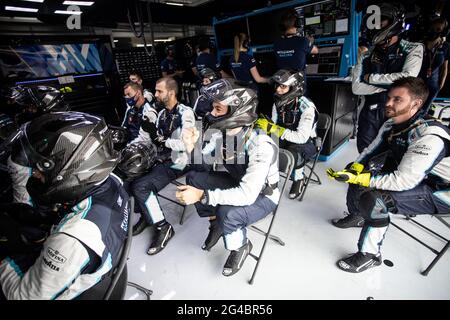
[[42, 61], [324, 19], [265, 27], [326, 62], [225, 32]]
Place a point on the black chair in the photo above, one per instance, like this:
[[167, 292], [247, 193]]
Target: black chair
[[322, 128], [438, 253], [176, 183], [286, 165], [114, 284]]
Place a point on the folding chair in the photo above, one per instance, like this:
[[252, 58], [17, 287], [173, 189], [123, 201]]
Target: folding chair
[[322, 127], [438, 253], [118, 277], [286, 165], [176, 183]]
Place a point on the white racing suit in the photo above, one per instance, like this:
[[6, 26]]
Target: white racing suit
[[79, 251]]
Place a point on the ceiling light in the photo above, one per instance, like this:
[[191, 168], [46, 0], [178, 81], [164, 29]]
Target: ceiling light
[[79, 3], [20, 19], [175, 4], [40, 1], [116, 40], [29, 19], [162, 40], [140, 45], [9, 8], [68, 12]]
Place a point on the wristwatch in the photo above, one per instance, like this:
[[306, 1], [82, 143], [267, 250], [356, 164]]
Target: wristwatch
[[204, 199]]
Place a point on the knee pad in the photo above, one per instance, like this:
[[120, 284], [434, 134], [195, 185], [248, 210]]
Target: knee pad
[[375, 207]]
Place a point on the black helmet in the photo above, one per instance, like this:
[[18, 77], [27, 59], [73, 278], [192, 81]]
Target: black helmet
[[73, 151], [136, 160], [241, 104], [43, 97], [209, 73], [294, 80], [395, 13]]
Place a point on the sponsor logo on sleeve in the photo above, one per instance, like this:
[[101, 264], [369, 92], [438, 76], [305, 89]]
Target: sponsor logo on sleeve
[[56, 256]]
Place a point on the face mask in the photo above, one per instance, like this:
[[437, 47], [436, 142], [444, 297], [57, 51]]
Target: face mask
[[130, 101]]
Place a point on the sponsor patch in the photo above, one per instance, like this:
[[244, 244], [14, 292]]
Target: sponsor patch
[[56, 256]]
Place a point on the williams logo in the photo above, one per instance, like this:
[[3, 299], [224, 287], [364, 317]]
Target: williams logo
[[56, 256]]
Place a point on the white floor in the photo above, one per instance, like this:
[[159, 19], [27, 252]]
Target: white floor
[[304, 268]]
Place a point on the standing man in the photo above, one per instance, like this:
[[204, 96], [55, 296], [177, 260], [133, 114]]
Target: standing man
[[291, 49], [169, 66], [205, 59], [435, 59], [389, 59]]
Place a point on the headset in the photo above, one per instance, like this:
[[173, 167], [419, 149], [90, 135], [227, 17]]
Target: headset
[[245, 41], [445, 31]]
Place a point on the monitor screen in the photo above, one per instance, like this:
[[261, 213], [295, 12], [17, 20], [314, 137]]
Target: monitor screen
[[43, 61], [265, 27], [328, 18], [326, 62], [226, 31]]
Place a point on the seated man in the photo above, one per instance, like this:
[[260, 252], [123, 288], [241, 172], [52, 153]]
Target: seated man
[[136, 77], [139, 111], [414, 177], [293, 121], [71, 172], [171, 121], [248, 191], [202, 105]]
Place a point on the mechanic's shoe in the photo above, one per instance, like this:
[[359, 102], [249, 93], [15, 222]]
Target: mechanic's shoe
[[359, 262], [350, 221], [215, 233], [140, 226], [162, 236], [236, 259], [295, 189]]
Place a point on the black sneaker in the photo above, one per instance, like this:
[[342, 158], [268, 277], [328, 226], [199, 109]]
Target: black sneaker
[[140, 226], [350, 221], [163, 234], [295, 189], [215, 233], [236, 259], [359, 262]]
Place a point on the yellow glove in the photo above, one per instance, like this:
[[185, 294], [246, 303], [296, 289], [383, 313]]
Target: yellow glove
[[351, 176], [269, 127], [355, 166]]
